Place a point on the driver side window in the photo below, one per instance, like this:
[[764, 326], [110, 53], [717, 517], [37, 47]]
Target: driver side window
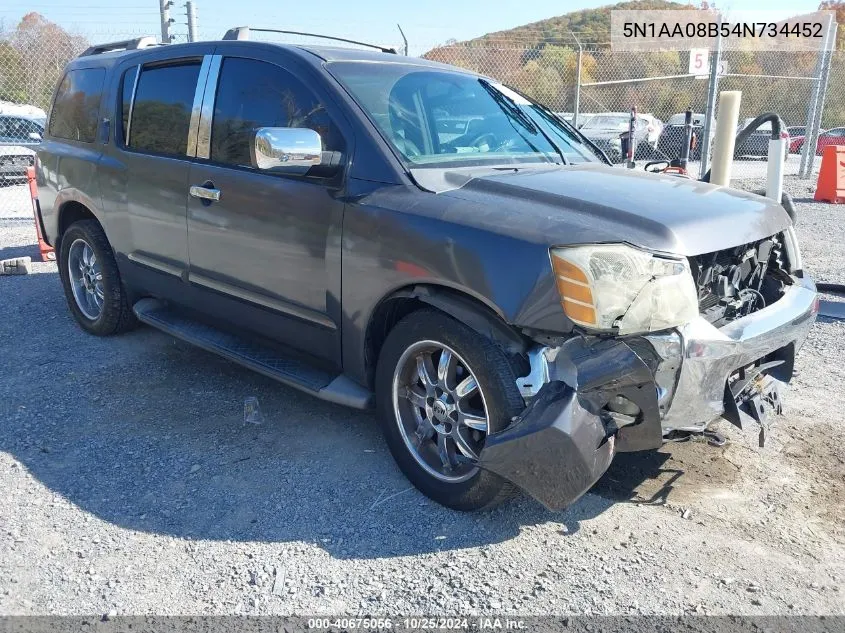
[[253, 94]]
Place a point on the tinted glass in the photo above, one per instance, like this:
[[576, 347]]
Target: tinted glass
[[74, 114], [126, 99], [435, 118], [253, 94], [161, 115]]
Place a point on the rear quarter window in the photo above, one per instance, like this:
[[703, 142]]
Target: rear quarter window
[[77, 105]]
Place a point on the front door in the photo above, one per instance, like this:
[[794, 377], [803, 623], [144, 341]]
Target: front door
[[261, 244]]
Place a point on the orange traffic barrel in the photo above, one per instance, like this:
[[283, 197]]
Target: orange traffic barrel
[[831, 184]]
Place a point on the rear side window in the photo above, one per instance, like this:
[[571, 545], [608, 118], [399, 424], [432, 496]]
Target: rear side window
[[161, 114], [75, 111], [253, 94]]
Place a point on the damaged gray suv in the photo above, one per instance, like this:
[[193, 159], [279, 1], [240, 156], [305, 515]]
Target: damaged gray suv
[[384, 231]]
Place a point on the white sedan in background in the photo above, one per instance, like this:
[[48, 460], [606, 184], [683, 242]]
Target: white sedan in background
[[14, 160]]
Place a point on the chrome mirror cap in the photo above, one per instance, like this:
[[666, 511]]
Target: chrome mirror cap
[[295, 149]]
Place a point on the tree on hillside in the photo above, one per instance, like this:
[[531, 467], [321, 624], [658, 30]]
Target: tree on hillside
[[839, 7], [32, 57]]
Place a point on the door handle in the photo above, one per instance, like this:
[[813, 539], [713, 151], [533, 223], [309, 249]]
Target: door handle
[[204, 193]]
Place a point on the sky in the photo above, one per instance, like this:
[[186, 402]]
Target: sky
[[426, 23]]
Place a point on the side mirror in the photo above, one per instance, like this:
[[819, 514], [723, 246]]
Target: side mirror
[[287, 149], [34, 136]]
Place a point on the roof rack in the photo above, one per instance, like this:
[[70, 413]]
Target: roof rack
[[123, 45], [242, 33]]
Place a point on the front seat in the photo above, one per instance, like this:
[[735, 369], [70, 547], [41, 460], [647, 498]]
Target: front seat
[[405, 124]]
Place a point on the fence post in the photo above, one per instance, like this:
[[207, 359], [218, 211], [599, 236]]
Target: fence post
[[815, 109], [577, 104], [710, 114], [191, 10]]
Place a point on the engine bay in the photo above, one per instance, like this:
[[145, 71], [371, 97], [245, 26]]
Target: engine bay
[[735, 282]]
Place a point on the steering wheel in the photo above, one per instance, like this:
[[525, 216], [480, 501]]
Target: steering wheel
[[486, 138]]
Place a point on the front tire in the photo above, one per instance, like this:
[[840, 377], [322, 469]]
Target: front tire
[[93, 289], [441, 388]]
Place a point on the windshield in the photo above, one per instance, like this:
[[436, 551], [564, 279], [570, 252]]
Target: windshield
[[438, 118], [604, 122]]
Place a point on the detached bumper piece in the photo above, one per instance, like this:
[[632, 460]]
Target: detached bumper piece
[[555, 452], [565, 439]]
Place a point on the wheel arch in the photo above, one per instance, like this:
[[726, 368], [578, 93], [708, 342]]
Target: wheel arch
[[70, 211], [463, 307]]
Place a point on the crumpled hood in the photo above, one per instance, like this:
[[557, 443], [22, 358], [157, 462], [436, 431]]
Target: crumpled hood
[[594, 203]]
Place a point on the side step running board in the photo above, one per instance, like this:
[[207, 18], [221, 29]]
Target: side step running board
[[290, 370]]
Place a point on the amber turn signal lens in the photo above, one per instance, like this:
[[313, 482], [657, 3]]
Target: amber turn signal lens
[[575, 292]]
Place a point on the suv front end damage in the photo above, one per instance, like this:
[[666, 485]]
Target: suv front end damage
[[593, 396]]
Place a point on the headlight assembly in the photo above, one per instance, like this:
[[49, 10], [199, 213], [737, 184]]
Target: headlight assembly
[[622, 289]]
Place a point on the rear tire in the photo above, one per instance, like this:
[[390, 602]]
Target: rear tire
[[93, 288], [420, 428]]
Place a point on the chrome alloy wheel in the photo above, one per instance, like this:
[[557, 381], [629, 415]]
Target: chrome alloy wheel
[[440, 410], [86, 279]]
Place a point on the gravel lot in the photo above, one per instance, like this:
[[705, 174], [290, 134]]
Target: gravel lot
[[129, 482]]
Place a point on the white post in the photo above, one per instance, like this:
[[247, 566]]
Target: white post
[[774, 169], [725, 139]]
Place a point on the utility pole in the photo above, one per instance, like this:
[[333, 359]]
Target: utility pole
[[191, 10], [166, 20]]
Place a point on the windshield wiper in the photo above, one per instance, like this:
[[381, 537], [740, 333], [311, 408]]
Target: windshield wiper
[[571, 129], [514, 112], [518, 113], [507, 104]]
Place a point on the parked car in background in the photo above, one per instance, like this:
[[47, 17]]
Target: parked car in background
[[20, 130], [19, 137], [796, 138], [672, 138], [833, 136], [14, 161], [757, 145], [606, 130], [23, 109]]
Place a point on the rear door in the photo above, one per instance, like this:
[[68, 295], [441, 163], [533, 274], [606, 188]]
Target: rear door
[[145, 176], [266, 253]]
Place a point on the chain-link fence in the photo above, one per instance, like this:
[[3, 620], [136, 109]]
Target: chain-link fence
[[586, 82], [660, 87]]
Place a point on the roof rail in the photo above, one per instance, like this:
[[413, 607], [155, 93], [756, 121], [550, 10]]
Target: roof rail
[[242, 33], [123, 45]]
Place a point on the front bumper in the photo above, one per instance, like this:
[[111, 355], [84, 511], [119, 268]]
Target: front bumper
[[707, 356], [566, 438]]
